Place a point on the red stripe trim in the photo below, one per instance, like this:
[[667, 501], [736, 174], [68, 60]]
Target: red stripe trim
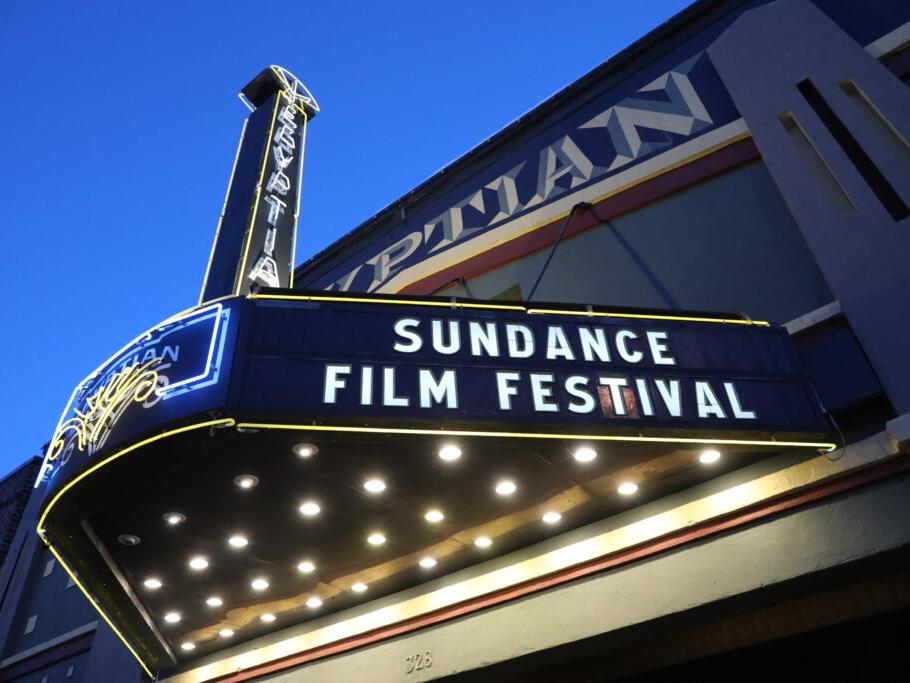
[[674, 540], [674, 180]]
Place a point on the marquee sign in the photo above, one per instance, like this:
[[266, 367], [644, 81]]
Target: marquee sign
[[499, 367], [380, 363]]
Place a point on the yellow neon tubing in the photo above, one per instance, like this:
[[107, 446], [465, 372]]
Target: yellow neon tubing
[[98, 609], [533, 311], [537, 435], [506, 307], [398, 302], [228, 422], [238, 284]]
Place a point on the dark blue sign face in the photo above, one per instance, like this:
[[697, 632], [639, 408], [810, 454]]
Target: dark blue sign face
[[378, 364], [172, 371]]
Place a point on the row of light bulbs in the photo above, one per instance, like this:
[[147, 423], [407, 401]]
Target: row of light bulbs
[[311, 508]]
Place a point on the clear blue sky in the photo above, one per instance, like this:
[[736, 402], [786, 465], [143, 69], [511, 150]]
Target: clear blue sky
[[119, 123]]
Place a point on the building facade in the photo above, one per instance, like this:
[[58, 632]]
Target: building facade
[[745, 157], [47, 629]]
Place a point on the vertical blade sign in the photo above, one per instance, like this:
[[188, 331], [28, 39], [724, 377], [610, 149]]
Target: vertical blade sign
[[254, 243]]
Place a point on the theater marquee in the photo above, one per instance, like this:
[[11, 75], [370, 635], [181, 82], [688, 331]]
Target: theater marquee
[[500, 367], [317, 426], [272, 455]]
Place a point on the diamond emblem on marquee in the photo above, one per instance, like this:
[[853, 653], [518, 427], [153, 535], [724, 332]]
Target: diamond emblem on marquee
[[294, 89]]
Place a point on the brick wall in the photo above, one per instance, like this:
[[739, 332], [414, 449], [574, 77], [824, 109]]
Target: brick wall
[[14, 492]]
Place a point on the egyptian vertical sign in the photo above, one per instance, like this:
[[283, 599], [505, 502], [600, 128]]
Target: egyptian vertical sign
[[254, 243]]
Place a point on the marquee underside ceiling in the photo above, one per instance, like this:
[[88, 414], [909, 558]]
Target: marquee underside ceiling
[[315, 508]]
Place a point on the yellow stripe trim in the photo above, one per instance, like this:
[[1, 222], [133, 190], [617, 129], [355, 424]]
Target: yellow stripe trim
[[98, 609], [239, 281], [645, 316]]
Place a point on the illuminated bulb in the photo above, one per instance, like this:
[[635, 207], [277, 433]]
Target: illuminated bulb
[[434, 516], [709, 457], [483, 542], [152, 583], [374, 485], [172, 617], [174, 518], [259, 584], [187, 646], [551, 517], [359, 587], [506, 487], [226, 633], [585, 454], [313, 602], [238, 541], [268, 617], [310, 508], [305, 450], [627, 488], [214, 601], [450, 453], [376, 539], [306, 567], [427, 562], [198, 563], [246, 481]]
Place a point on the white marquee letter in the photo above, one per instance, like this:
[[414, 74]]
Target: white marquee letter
[[333, 382], [577, 386], [505, 390], [402, 330], [432, 389], [708, 404]]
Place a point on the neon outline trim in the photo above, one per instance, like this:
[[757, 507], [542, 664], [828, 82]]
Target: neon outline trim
[[208, 361], [239, 275], [507, 307], [644, 316], [130, 384], [290, 83], [110, 360], [228, 422], [292, 265], [537, 435], [94, 604]]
